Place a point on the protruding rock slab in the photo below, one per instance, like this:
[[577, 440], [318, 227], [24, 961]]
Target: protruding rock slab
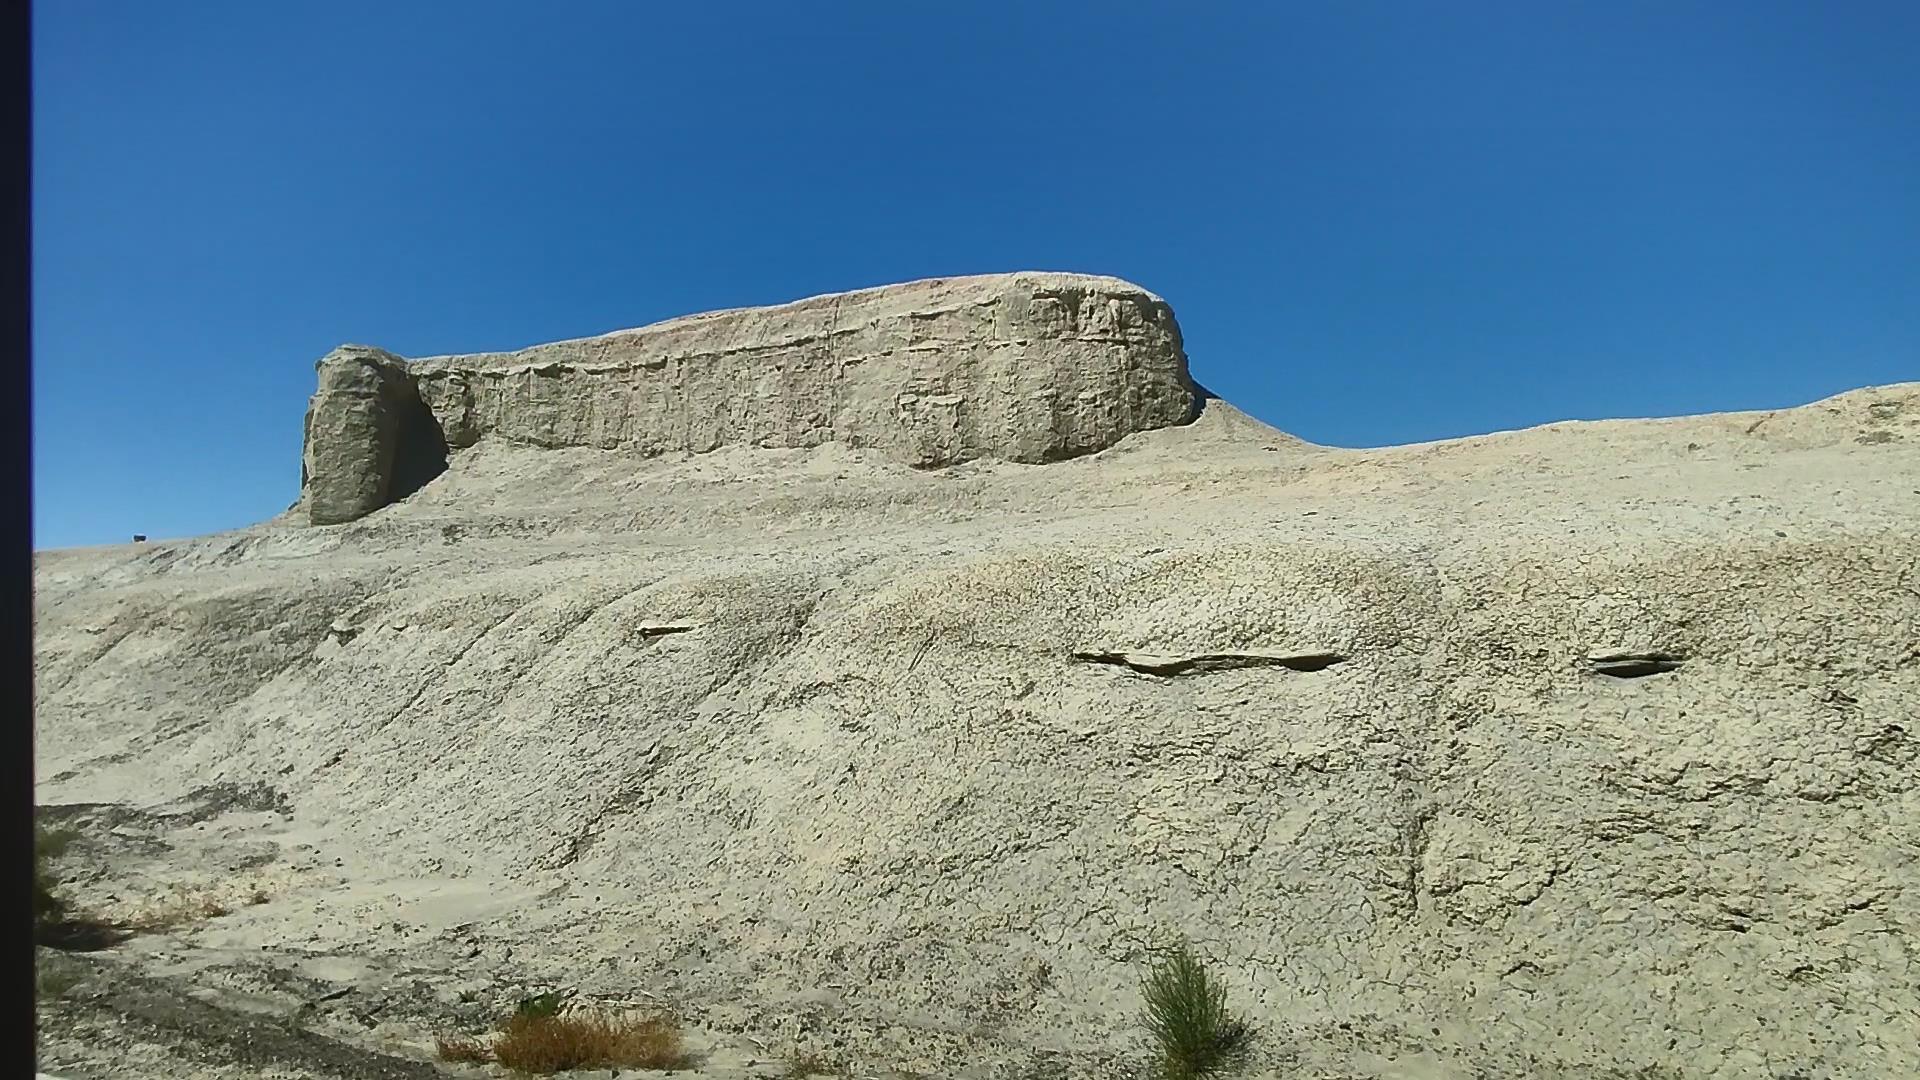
[[353, 433], [1168, 666], [1029, 367]]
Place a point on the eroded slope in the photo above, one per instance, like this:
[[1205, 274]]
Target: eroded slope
[[1606, 762]]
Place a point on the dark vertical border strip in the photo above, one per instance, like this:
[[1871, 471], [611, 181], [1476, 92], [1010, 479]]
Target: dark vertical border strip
[[16, 511]]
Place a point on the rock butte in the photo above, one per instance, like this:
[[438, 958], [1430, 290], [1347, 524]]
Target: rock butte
[[750, 663], [1018, 367]]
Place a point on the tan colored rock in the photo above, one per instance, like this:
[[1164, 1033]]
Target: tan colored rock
[[1030, 367], [369, 440]]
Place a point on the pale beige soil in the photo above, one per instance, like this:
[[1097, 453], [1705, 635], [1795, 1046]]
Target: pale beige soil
[[829, 753]]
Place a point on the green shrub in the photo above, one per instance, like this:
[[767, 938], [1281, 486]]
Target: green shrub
[[52, 843], [55, 921], [49, 983], [1187, 1017], [541, 1006], [49, 908]]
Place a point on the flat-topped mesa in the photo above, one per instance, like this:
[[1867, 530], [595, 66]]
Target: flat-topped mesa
[[1027, 367]]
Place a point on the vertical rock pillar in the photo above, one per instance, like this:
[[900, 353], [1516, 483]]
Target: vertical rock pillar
[[353, 432]]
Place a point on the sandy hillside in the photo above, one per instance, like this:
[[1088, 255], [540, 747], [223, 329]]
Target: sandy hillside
[[1582, 751]]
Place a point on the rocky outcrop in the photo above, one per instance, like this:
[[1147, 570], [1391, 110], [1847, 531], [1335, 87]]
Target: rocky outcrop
[[1029, 367], [369, 440]]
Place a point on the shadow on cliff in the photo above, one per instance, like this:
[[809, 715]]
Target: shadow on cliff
[[419, 453]]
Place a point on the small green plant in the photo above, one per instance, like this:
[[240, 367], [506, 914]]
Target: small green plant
[[1187, 1017], [541, 1006], [48, 983], [49, 907]]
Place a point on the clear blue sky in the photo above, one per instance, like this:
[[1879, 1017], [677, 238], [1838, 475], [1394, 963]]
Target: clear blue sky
[[1378, 222]]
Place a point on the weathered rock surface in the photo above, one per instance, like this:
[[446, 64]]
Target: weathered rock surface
[[1584, 751], [369, 439], [1030, 367]]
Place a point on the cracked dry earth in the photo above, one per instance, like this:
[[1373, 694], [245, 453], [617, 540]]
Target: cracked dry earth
[[1586, 751]]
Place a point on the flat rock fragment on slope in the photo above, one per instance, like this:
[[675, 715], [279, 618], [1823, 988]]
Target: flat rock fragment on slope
[[1151, 664], [850, 725]]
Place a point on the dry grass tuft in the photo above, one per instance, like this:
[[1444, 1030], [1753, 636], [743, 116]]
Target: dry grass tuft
[[175, 911], [463, 1048], [589, 1039], [801, 1065]]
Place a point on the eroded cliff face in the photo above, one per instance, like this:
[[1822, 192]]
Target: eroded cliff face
[[370, 440], [1014, 367]]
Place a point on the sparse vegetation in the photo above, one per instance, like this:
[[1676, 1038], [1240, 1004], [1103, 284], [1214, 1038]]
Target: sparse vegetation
[[52, 843], [543, 1037], [541, 1006], [182, 907], [808, 1063], [49, 907], [49, 983], [589, 1039], [56, 923], [1193, 1032], [463, 1048]]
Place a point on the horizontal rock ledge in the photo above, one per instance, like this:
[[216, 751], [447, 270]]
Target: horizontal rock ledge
[[1024, 367]]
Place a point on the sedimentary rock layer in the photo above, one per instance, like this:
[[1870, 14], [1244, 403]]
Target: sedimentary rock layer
[[1026, 367]]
